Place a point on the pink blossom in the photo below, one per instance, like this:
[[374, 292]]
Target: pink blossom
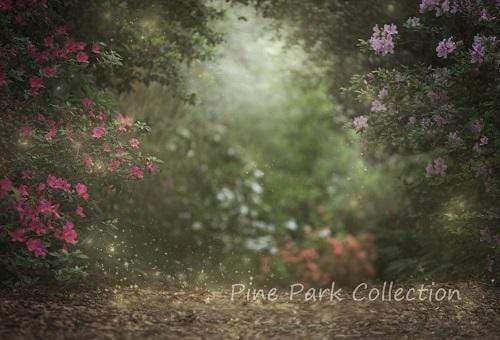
[[377, 106], [69, 235], [3, 79], [152, 168], [51, 134], [114, 164], [47, 208], [61, 30], [81, 190], [87, 103], [134, 143], [438, 167], [99, 131], [26, 174], [79, 212], [26, 131], [360, 123], [96, 48], [58, 183], [478, 51], [445, 47], [23, 190], [37, 247], [137, 172], [87, 160], [5, 5], [124, 122], [36, 83], [382, 41], [82, 57], [5, 185], [17, 235], [49, 72]]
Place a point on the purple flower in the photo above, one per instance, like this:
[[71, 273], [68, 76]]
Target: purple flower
[[454, 137], [445, 47], [438, 167], [413, 22], [360, 123], [377, 106], [478, 51], [483, 141], [381, 40], [477, 126]]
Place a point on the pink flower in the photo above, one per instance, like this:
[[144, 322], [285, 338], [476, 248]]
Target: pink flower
[[5, 5], [437, 168], [79, 212], [98, 132], [5, 185], [26, 131], [114, 164], [51, 134], [445, 47], [134, 143], [478, 51], [360, 123], [124, 122], [81, 190], [137, 172], [17, 235], [87, 160], [82, 57], [23, 190], [382, 41], [58, 183], [26, 174], [49, 72], [96, 48], [87, 103], [37, 247], [61, 30], [152, 168], [3, 79], [47, 208], [36, 83], [69, 235], [377, 106]]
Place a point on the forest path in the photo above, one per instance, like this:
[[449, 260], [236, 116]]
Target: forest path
[[159, 314]]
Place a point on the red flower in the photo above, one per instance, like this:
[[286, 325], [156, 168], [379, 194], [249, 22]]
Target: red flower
[[82, 57]]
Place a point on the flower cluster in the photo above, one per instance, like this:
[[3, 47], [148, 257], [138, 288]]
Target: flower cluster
[[340, 259], [382, 41], [41, 212], [56, 124]]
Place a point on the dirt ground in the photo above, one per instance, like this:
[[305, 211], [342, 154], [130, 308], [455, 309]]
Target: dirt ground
[[119, 313]]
